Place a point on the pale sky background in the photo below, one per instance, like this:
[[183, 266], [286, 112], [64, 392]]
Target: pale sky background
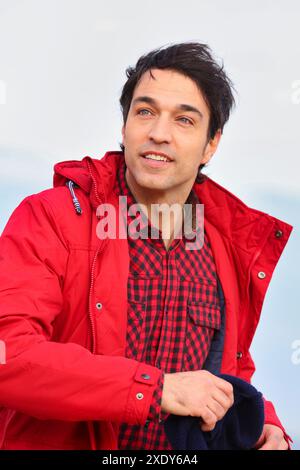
[[62, 67]]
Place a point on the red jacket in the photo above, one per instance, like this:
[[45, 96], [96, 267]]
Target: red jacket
[[66, 383]]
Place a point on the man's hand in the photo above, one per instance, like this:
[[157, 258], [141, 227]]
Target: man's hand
[[197, 393], [272, 438]]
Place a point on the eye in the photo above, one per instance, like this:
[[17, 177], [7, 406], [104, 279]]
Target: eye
[[143, 111], [186, 120]]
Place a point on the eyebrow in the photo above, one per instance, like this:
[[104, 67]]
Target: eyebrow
[[181, 107]]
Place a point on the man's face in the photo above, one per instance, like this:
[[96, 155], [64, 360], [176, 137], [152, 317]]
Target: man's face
[[161, 119]]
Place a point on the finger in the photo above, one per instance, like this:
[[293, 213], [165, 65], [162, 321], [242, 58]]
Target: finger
[[217, 409], [209, 420], [225, 386], [223, 399], [270, 444], [283, 445]]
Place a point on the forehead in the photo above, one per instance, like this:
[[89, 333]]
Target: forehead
[[170, 87]]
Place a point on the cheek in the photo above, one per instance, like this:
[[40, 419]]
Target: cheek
[[132, 138], [190, 163], [193, 147]]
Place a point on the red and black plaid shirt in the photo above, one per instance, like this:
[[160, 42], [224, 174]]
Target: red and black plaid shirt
[[173, 311]]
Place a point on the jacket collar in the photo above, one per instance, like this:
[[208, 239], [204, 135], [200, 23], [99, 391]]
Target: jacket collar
[[240, 224]]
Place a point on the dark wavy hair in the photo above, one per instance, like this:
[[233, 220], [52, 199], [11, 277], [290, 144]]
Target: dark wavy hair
[[195, 61]]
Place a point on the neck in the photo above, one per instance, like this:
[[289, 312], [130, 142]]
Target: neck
[[153, 196], [169, 222]]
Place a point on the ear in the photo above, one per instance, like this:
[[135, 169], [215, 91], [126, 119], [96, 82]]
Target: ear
[[211, 147], [123, 134]]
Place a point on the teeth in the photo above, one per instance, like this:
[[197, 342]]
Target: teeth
[[156, 157]]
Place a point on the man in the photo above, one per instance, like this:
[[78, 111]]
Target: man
[[107, 335]]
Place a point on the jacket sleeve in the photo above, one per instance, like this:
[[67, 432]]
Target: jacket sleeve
[[40, 377], [246, 371]]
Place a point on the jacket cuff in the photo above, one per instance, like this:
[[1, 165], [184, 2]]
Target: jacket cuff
[[145, 381]]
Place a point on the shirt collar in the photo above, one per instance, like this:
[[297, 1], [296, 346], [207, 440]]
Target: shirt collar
[[145, 226]]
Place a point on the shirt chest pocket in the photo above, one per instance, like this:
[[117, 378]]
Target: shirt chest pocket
[[137, 294], [204, 304], [204, 315], [203, 292], [203, 320]]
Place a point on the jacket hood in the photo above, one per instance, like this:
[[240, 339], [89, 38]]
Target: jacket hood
[[74, 170], [95, 177]]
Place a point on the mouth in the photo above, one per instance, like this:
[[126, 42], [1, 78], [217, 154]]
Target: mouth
[[156, 159]]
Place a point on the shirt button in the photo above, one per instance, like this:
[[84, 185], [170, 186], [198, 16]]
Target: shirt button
[[139, 396], [239, 355], [261, 275], [278, 233], [146, 376], [98, 306]]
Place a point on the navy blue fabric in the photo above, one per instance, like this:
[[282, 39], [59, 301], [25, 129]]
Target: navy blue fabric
[[239, 429], [214, 358]]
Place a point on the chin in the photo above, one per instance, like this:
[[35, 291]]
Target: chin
[[150, 182]]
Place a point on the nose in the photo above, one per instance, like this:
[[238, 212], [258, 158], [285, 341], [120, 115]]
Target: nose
[[160, 130]]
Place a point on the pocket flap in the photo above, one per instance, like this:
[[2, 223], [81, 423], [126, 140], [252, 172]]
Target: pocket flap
[[204, 314]]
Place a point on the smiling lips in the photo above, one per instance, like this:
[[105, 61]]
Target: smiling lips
[[157, 156]]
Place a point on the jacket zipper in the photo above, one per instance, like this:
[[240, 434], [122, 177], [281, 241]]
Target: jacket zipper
[[94, 184], [90, 302], [93, 265], [90, 424]]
